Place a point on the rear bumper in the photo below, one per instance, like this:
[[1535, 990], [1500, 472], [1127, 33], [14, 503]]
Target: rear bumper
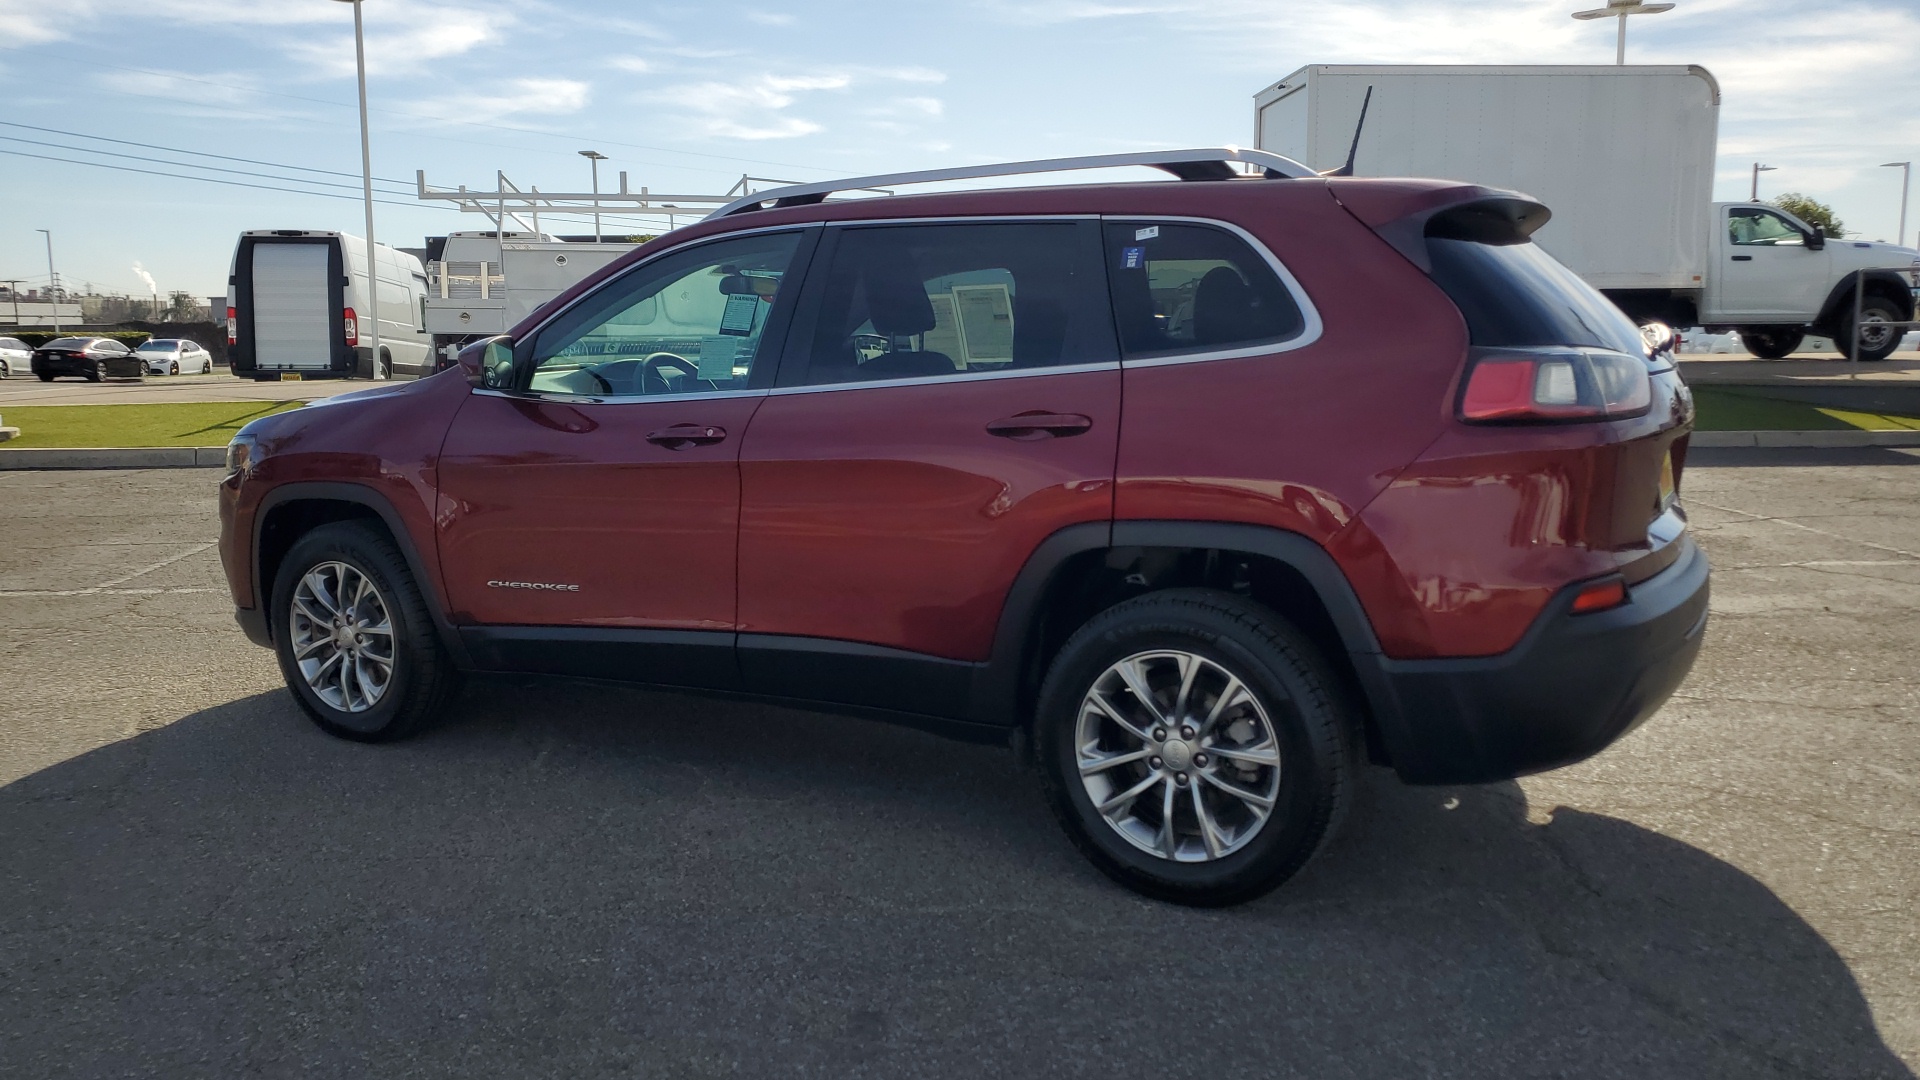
[[1571, 687]]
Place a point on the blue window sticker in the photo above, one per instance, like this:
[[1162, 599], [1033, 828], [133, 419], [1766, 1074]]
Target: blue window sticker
[[1133, 258]]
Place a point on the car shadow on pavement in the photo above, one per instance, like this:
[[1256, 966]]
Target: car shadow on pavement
[[579, 881]]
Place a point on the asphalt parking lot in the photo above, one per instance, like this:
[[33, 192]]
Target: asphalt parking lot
[[584, 881]]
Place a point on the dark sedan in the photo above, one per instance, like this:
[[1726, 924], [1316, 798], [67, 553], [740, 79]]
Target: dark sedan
[[91, 358]]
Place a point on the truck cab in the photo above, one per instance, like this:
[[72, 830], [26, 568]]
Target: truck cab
[[1775, 278]]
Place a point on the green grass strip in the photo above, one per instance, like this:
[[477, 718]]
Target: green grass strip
[[197, 423], [1723, 408]]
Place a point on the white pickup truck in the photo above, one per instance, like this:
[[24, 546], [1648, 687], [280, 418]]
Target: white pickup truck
[[1624, 157]]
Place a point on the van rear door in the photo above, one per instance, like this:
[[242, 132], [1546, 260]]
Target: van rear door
[[289, 307], [291, 329]]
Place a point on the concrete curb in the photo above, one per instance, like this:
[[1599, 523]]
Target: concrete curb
[[1805, 438], [148, 457]]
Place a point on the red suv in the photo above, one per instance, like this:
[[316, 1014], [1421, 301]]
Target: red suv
[[1199, 493]]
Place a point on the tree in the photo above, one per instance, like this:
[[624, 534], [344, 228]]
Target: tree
[[1810, 210]]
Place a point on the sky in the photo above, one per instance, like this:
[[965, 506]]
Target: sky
[[689, 97]]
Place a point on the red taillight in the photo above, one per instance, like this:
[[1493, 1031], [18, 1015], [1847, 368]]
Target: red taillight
[[233, 332], [353, 328], [1521, 385], [1600, 596]]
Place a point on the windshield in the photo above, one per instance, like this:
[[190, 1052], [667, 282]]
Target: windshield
[[1517, 295], [158, 346]]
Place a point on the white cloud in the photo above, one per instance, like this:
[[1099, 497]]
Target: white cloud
[[232, 89], [751, 108], [515, 96], [633, 64]]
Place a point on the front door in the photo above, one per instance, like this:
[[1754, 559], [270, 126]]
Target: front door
[[1767, 272], [951, 400], [602, 492]]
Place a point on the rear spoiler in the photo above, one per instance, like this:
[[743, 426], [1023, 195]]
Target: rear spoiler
[[1405, 217]]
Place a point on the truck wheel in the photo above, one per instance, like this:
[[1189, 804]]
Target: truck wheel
[[1878, 339], [1195, 746], [355, 641], [1771, 342]]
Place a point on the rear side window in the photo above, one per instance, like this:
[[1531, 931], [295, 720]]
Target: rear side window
[[1184, 288], [1515, 295], [920, 301]]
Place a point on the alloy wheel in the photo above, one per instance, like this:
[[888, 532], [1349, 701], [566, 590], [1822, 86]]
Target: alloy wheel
[[342, 636], [1178, 755]]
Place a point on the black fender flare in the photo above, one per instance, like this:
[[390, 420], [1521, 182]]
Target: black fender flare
[[360, 495], [1882, 282], [996, 688]]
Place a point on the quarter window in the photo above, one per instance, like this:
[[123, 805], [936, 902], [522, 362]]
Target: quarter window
[[918, 301], [692, 322], [1180, 288]]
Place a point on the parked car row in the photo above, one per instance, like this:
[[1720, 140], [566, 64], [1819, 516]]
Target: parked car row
[[97, 358]]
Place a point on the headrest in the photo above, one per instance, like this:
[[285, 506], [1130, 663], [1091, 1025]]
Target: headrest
[[896, 293], [1224, 308]]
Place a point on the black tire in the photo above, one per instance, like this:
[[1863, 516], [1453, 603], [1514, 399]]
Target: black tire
[[173, 368], [45, 377], [422, 678], [1772, 342], [98, 371], [1872, 309], [1313, 726]]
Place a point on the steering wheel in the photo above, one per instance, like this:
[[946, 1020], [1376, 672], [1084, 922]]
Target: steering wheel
[[650, 374]]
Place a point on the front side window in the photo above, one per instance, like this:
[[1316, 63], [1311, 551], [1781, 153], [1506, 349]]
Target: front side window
[[914, 301], [1181, 288], [1753, 226], [692, 322]]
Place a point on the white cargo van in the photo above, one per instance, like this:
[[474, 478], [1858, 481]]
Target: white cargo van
[[298, 308], [1624, 157]]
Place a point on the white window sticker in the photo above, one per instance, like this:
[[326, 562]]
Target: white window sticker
[[716, 357], [1147, 233], [737, 319]]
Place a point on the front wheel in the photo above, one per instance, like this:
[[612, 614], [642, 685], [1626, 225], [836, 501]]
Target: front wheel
[[1771, 342], [1195, 746], [173, 368], [1878, 337], [356, 643]]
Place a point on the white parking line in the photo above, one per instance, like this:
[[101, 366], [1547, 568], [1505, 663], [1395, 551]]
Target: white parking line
[[150, 569], [7, 593], [1831, 535]]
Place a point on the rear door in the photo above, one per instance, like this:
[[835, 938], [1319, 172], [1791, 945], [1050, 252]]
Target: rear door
[[952, 399], [293, 324]]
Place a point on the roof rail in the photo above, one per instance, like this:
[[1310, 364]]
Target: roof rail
[[1201, 164]]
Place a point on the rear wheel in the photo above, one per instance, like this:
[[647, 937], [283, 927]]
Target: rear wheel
[[1771, 342], [1195, 746], [98, 371], [46, 377], [1878, 337], [356, 643]]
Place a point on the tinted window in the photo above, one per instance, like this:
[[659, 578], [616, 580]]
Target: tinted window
[[67, 343], [1193, 288], [689, 323], [913, 301], [1516, 294], [11, 343], [111, 346]]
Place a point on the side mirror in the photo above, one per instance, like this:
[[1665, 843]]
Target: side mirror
[[1819, 238], [488, 365]]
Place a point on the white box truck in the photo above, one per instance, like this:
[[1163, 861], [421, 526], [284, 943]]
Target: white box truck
[[1624, 158], [480, 284], [298, 308]]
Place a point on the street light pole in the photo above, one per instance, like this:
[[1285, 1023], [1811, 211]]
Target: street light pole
[[1620, 9], [1906, 181], [366, 191], [596, 157], [1754, 195], [53, 280]]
